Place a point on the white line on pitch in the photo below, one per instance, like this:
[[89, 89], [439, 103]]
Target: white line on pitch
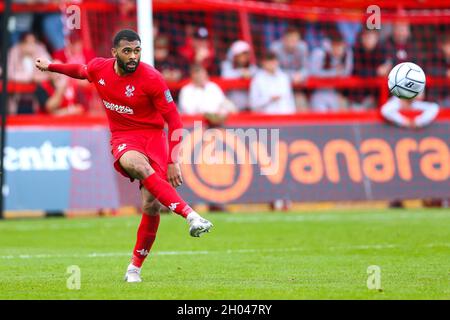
[[204, 252]]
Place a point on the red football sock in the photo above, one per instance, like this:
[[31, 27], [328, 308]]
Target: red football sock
[[166, 194], [146, 235]]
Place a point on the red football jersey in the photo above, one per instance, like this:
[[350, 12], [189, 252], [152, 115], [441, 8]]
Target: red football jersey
[[134, 101]]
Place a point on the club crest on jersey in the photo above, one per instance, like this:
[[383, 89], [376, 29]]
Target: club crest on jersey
[[129, 91], [169, 98]]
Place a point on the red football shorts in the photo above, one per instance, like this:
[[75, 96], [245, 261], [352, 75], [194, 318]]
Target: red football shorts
[[151, 143]]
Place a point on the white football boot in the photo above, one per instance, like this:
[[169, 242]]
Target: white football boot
[[133, 274], [197, 224]]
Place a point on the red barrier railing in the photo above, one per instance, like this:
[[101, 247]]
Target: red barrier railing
[[311, 83], [237, 119]]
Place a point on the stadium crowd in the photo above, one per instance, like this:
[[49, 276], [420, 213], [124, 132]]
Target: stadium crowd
[[291, 54]]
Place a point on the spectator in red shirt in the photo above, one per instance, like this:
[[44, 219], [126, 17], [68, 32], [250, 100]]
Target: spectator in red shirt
[[198, 50], [75, 52]]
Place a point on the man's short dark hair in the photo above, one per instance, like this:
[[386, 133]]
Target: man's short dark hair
[[291, 30], [269, 56], [25, 34], [196, 67], [336, 37], [125, 34]]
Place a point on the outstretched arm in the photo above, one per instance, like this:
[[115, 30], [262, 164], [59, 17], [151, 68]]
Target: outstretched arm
[[78, 71]]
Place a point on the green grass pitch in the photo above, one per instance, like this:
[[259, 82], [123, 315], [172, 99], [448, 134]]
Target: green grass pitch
[[319, 255]]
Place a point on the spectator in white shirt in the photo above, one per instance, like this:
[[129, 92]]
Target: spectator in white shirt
[[392, 111], [202, 96], [271, 90]]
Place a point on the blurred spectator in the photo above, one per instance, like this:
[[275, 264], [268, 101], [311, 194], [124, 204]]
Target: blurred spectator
[[368, 60], [333, 59], [270, 89], [167, 63], [202, 96], [199, 50], [127, 14], [369, 55], [57, 96], [238, 66], [439, 66], [21, 68], [21, 59], [74, 51], [396, 110], [400, 47], [292, 53]]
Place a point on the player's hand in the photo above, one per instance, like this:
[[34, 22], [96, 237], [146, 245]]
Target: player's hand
[[174, 174], [42, 64]]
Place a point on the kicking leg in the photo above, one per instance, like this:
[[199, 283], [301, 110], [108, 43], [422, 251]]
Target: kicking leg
[[138, 166]]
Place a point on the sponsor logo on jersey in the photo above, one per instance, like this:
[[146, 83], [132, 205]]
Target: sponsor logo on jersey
[[169, 98], [129, 91], [122, 146], [102, 82], [120, 109]]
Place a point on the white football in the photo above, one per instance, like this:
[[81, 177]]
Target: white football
[[406, 80]]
